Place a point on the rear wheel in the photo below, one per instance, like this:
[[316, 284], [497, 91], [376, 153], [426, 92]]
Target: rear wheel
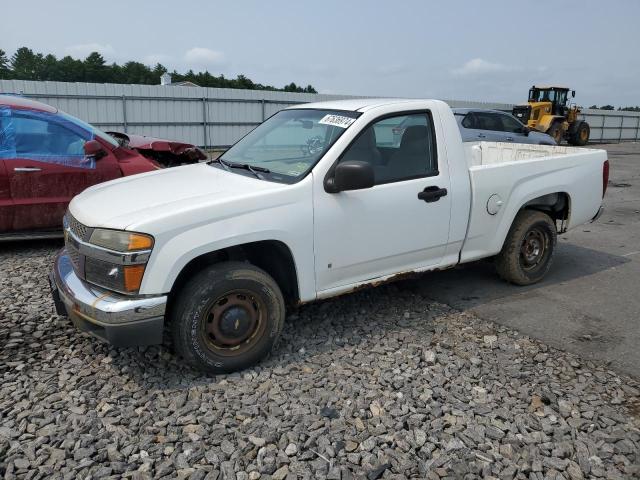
[[556, 132], [227, 317], [580, 136], [527, 252]]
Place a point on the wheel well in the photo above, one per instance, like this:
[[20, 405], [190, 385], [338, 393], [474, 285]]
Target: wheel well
[[556, 205], [273, 256]]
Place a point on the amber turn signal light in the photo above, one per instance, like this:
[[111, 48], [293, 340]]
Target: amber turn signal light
[[139, 242], [133, 277]]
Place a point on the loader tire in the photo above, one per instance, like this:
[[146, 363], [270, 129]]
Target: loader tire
[[528, 250], [227, 317], [580, 136], [555, 131]]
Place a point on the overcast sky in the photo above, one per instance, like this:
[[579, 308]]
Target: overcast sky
[[491, 50]]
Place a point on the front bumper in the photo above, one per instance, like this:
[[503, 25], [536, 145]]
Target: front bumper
[[117, 319]]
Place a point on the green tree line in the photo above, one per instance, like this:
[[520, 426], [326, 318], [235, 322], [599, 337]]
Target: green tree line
[[611, 107], [25, 64]]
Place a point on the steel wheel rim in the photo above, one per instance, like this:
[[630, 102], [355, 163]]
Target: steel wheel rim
[[533, 248], [234, 322]]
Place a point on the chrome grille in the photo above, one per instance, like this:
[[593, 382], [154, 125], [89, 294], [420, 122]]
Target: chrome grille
[[74, 255], [78, 229]]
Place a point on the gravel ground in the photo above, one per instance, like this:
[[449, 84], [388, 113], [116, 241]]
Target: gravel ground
[[378, 384]]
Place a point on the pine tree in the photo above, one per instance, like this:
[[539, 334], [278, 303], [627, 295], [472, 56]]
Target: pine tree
[[24, 64], [5, 71], [95, 69]]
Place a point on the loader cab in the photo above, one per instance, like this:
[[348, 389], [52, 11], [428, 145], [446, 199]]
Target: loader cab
[[557, 96]]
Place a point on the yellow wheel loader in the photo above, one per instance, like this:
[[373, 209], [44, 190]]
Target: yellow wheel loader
[[548, 112]]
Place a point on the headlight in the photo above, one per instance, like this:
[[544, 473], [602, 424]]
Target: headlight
[[121, 241], [121, 272]]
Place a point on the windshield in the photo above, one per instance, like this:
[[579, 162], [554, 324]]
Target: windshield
[[90, 128], [290, 143]]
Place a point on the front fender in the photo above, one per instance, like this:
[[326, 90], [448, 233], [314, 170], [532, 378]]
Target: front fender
[[291, 224]]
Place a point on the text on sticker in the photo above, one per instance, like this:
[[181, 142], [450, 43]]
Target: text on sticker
[[337, 121]]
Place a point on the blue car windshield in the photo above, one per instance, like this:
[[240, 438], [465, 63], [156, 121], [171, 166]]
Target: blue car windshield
[[289, 143], [86, 126]]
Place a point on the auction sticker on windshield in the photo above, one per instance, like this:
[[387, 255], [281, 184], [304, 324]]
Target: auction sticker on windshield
[[337, 121]]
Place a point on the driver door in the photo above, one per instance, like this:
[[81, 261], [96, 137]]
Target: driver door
[[361, 235]]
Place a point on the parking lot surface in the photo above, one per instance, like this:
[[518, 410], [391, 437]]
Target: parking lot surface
[[386, 383]]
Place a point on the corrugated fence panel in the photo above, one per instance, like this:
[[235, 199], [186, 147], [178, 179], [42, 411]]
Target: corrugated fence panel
[[217, 117]]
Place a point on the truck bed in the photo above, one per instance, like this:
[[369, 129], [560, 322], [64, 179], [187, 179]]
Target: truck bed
[[515, 174], [493, 153]]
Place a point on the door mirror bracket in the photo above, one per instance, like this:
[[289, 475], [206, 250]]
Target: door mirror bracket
[[93, 148]]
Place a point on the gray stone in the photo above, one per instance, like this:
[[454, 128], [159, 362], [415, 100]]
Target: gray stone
[[354, 384], [291, 449]]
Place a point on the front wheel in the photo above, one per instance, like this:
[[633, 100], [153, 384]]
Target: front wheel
[[556, 132], [227, 317], [527, 252]]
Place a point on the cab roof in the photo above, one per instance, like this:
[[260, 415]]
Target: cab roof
[[25, 103], [550, 87], [354, 104]]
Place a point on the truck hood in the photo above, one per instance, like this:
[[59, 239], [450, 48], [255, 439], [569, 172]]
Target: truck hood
[[132, 201]]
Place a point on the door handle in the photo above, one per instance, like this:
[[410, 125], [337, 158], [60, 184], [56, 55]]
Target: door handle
[[432, 194], [482, 135], [509, 139], [27, 169]]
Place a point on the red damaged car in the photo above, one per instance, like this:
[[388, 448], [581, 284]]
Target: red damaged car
[[47, 157]]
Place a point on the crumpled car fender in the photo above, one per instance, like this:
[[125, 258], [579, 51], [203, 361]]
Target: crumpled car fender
[[166, 152]]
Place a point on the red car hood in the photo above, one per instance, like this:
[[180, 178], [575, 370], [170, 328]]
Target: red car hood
[[185, 151]]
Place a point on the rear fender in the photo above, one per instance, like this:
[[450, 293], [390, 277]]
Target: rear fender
[[518, 184]]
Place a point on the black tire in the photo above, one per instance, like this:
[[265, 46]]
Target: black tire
[[528, 250], [227, 317], [555, 131], [580, 136]]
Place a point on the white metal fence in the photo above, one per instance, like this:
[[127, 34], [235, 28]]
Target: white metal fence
[[215, 117]]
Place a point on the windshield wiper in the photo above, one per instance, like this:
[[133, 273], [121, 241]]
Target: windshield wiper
[[221, 162], [252, 168], [255, 169]]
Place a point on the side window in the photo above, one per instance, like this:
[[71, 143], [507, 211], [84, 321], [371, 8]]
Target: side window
[[469, 121], [562, 97], [38, 138], [488, 121], [399, 148], [510, 124]]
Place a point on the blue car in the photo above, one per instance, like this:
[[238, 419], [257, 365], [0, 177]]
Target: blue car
[[495, 126]]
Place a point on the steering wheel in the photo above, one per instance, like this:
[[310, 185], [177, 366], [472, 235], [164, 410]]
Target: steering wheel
[[313, 146]]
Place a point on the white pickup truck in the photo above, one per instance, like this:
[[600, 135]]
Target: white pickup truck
[[319, 200]]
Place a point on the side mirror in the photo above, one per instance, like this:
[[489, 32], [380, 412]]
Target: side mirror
[[526, 130], [350, 175], [573, 93], [93, 148]]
